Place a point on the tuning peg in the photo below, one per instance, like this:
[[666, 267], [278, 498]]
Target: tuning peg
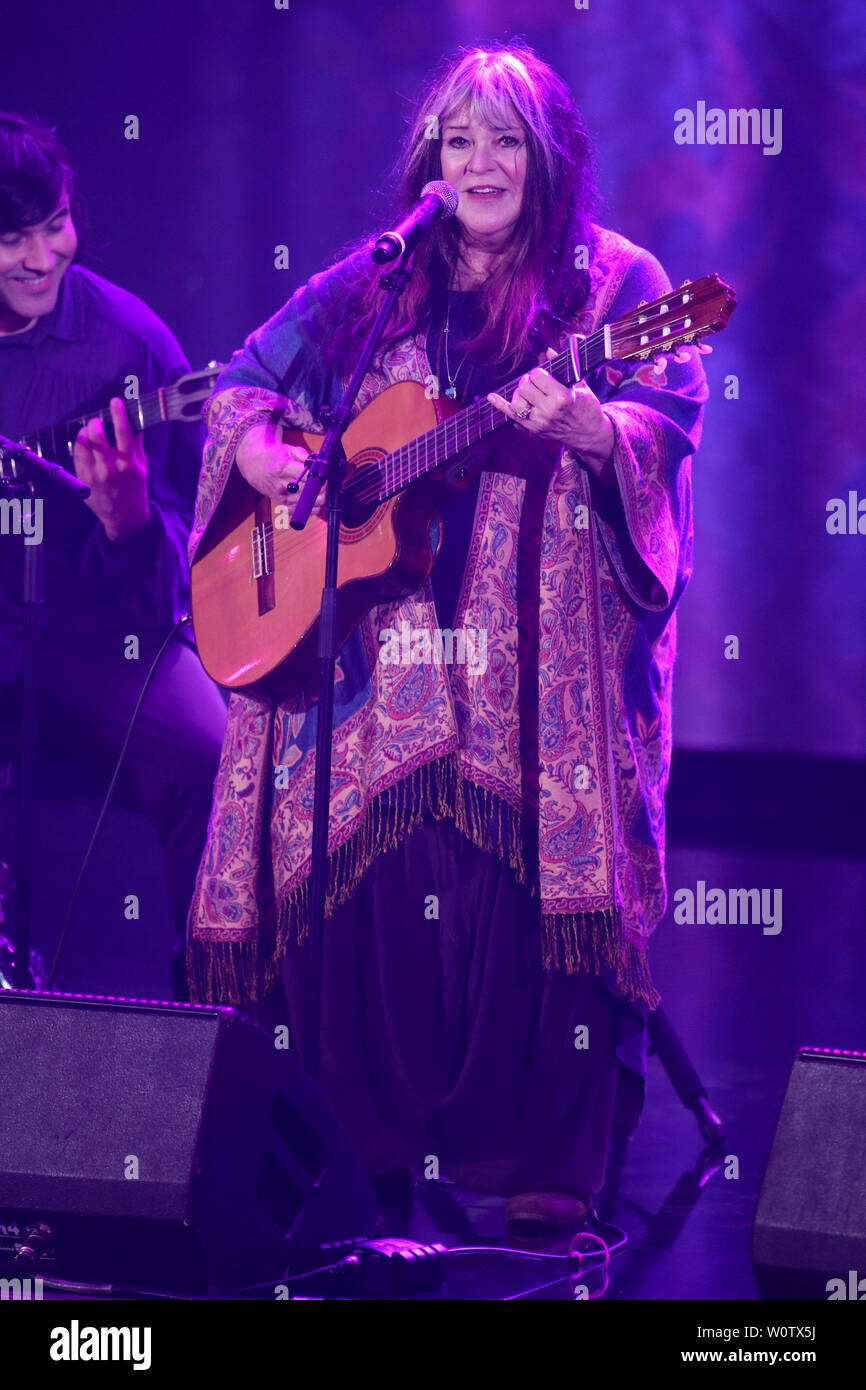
[[705, 348], [681, 355], [659, 366]]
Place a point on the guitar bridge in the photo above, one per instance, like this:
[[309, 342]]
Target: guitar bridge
[[262, 555], [263, 551]]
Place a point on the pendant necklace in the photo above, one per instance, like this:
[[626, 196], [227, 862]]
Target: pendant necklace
[[451, 388]]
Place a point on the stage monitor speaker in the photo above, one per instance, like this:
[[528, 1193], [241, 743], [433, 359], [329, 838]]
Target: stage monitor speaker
[[810, 1223], [165, 1146]]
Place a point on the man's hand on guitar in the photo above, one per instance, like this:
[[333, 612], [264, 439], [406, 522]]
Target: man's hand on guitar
[[117, 477], [268, 464]]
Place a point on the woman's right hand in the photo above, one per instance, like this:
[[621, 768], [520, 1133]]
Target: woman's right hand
[[268, 464]]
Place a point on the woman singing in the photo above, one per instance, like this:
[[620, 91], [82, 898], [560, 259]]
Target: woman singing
[[496, 832]]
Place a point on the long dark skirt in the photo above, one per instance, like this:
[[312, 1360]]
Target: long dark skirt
[[446, 1046]]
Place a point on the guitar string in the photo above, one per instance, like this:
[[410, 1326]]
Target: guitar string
[[304, 540], [79, 421], [64, 431], [405, 472], [173, 392], [402, 467], [399, 467], [368, 487]]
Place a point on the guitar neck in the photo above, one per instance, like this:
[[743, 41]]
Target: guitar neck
[[476, 421], [162, 406], [57, 440]]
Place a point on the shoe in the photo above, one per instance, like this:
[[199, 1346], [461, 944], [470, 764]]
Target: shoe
[[547, 1208]]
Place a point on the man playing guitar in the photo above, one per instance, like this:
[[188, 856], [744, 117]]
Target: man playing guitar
[[115, 568]]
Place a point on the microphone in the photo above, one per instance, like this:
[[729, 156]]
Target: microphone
[[438, 199]]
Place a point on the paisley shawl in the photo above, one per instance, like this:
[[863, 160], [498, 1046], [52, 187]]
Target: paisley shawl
[[556, 756]]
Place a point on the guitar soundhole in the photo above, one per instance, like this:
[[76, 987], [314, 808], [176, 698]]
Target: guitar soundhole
[[361, 493]]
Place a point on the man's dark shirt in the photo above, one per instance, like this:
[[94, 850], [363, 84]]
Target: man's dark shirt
[[70, 363]]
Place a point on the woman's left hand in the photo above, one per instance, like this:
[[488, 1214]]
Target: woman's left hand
[[573, 418]]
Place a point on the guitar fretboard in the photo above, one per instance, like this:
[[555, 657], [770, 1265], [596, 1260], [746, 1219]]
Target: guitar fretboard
[[468, 426], [158, 407], [679, 316]]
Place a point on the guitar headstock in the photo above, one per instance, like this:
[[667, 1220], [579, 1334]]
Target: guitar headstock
[[185, 398], [684, 315]]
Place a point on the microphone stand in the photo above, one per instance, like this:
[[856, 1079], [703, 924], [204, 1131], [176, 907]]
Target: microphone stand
[[20, 473], [329, 466]]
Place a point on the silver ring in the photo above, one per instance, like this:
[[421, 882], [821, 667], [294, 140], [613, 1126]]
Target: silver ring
[[524, 414]]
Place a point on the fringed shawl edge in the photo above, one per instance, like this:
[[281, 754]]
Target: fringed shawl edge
[[241, 970]]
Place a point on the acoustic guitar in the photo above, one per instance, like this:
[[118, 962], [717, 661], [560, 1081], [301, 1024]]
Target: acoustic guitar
[[257, 584]]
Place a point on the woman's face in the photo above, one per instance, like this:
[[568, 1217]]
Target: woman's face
[[487, 167]]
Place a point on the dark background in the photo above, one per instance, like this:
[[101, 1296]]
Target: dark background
[[262, 127]]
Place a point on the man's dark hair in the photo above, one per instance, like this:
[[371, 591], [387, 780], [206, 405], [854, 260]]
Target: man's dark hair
[[35, 172]]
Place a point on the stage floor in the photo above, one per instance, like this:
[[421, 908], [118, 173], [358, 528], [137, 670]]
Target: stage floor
[[742, 998]]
